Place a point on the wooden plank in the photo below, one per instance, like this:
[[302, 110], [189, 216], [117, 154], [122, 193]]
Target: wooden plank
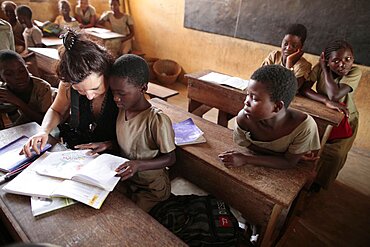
[[158, 91]]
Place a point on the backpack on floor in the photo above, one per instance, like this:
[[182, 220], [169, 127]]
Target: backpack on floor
[[198, 220]]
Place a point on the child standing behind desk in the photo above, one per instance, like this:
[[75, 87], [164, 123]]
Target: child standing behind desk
[[336, 81], [279, 135], [291, 53], [32, 96], [144, 134], [120, 23], [85, 14], [65, 20]]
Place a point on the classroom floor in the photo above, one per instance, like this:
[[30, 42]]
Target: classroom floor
[[339, 216]]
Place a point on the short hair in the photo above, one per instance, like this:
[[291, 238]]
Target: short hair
[[298, 30], [25, 11], [7, 55], [131, 67], [60, 3], [111, 1], [79, 57], [6, 3], [280, 82], [336, 45]]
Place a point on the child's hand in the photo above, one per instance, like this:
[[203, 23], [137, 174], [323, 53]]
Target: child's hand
[[337, 106], [127, 169], [310, 156], [293, 58], [232, 158], [8, 97], [96, 147], [323, 63]]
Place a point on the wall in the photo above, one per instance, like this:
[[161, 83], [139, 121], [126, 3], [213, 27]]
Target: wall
[[160, 33]]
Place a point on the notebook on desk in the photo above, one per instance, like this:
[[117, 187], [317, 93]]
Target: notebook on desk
[[222, 79]]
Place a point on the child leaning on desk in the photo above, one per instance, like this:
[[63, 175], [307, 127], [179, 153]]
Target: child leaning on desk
[[85, 14], [144, 134], [30, 95], [65, 20], [336, 80], [120, 23], [279, 136], [291, 53]]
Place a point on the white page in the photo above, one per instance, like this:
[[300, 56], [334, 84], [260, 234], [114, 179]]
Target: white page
[[236, 82], [87, 194], [101, 171], [64, 164], [214, 77]]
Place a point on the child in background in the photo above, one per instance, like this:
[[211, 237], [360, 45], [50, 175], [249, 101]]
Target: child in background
[[120, 23], [32, 35], [64, 20], [144, 133], [291, 53], [6, 36], [336, 80], [280, 136], [85, 14], [8, 7], [31, 95]]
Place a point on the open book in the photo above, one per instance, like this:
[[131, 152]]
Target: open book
[[222, 79], [186, 132], [72, 174]]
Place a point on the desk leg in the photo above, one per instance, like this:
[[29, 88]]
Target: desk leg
[[223, 118], [198, 108], [271, 226]]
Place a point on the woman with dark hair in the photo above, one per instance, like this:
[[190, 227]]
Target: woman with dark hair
[[83, 96]]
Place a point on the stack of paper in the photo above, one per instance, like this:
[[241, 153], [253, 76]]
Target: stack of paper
[[186, 132], [222, 79], [72, 174]]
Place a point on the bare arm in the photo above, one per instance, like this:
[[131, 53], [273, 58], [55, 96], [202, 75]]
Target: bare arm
[[131, 34], [129, 168]]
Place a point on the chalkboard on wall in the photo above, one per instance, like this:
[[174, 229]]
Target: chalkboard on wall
[[265, 21]]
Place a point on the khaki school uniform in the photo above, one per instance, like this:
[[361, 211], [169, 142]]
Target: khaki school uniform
[[85, 17], [334, 155], [301, 68], [144, 137], [301, 140]]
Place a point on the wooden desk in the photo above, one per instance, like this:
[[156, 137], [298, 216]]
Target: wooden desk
[[52, 42], [263, 195], [229, 101], [102, 33], [118, 223]]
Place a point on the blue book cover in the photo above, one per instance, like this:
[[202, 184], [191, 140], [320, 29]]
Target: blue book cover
[[10, 159], [186, 132]]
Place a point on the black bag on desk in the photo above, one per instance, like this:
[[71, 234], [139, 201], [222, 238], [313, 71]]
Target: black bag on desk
[[198, 220]]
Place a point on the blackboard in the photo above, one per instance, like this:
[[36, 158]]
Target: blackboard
[[265, 21]]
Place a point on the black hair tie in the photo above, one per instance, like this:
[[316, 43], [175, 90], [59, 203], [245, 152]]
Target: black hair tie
[[69, 39]]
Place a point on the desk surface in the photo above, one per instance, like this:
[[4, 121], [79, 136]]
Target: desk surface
[[51, 53], [236, 99], [52, 41], [119, 222], [102, 33], [280, 186]]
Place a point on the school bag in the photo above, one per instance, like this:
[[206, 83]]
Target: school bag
[[199, 220]]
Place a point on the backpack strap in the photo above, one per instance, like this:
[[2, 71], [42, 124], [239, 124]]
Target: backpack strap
[[75, 111]]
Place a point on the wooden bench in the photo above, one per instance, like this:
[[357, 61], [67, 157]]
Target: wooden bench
[[158, 91], [262, 195]]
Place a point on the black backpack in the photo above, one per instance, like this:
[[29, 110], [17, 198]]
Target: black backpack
[[199, 220]]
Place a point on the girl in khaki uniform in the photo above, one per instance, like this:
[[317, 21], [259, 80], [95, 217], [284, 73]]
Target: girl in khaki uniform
[[144, 134], [336, 81]]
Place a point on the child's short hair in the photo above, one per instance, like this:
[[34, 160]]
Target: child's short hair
[[297, 30], [335, 46], [6, 3], [80, 57], [132, 67], [60, 3], [279, 81], [24, 11], [7, 55]]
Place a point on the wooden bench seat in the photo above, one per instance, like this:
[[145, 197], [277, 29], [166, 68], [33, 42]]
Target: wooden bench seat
[[158, 91]]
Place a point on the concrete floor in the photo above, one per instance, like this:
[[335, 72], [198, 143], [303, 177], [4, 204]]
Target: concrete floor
[[339, 216]]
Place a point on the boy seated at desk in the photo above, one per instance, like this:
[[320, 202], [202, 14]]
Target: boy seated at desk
[[291, 53], [85, 14], [30, 96], [279, 136], [144, 134], [65, 20]]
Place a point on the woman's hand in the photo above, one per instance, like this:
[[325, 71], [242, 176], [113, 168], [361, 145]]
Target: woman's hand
[[41, 137], [127, 169], [96, 147]]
